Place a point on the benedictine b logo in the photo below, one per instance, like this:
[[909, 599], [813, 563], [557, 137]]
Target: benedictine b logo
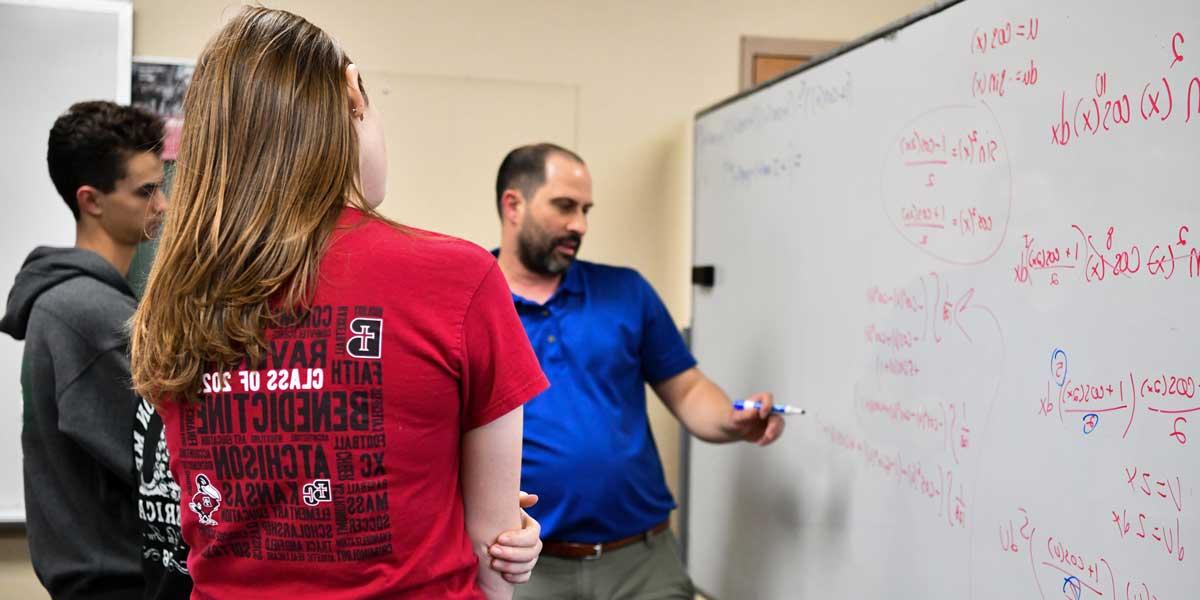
[[317, 492], [367, 341]]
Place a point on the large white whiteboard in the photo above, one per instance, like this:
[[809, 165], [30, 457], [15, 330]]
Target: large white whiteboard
[[52, 54], [988, 302]]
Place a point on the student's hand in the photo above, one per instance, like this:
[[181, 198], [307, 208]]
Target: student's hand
[[758, 426], [516, 552]]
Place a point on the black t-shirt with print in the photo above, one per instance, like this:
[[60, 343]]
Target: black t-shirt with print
[[164, 553]]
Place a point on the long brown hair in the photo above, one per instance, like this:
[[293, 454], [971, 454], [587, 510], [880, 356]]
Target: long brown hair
[[267, 159]]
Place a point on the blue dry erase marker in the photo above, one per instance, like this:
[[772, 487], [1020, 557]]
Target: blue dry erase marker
[[777, 408]]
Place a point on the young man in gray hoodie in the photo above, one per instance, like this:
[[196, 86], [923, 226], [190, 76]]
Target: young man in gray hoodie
[[70, 305]]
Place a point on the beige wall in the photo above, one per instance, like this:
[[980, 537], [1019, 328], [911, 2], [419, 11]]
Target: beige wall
[[635, 71], [16, 574]]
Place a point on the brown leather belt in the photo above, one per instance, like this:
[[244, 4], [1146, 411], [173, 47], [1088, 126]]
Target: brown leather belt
[[594, 551]]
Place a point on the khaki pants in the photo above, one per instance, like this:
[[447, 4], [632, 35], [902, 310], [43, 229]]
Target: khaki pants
[[644, 570]]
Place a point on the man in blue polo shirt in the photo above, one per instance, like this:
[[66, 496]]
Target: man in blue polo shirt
[[601, 333]]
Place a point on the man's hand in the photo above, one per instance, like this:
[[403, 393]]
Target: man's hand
[[758, 426], [516, 552], [707, 412]]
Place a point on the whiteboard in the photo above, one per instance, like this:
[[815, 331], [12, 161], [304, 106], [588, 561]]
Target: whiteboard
[[970, 248], [52, 54]]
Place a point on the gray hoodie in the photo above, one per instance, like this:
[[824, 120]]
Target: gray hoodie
[[70, 306]]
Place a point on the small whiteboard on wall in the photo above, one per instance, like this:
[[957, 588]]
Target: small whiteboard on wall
[[52, 54]]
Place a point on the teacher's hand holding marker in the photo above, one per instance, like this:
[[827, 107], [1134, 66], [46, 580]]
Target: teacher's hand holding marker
[[757, 419]]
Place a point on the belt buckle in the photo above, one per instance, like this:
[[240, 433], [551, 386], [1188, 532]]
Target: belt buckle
[[597, 552]]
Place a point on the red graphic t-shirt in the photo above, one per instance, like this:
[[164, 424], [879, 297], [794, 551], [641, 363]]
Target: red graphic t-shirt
[[332, 469]]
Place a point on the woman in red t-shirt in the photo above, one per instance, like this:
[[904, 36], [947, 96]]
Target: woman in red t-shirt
[[341, 395]]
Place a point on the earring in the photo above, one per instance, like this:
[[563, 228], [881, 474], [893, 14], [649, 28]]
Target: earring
[[357, 115]]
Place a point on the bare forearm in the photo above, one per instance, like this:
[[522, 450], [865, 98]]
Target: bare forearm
[[708, 414], [490, 479], [493, 586], [705, 413], [701, 405]]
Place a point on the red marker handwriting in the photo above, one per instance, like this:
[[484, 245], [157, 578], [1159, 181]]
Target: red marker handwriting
[[1110, 108]]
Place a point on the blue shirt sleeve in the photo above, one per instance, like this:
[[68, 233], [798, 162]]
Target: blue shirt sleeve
[[663, 352]]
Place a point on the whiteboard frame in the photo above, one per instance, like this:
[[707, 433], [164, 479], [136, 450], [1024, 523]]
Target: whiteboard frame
[[883, 32]]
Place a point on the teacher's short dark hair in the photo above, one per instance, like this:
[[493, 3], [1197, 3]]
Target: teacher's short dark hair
[[524, 169]]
